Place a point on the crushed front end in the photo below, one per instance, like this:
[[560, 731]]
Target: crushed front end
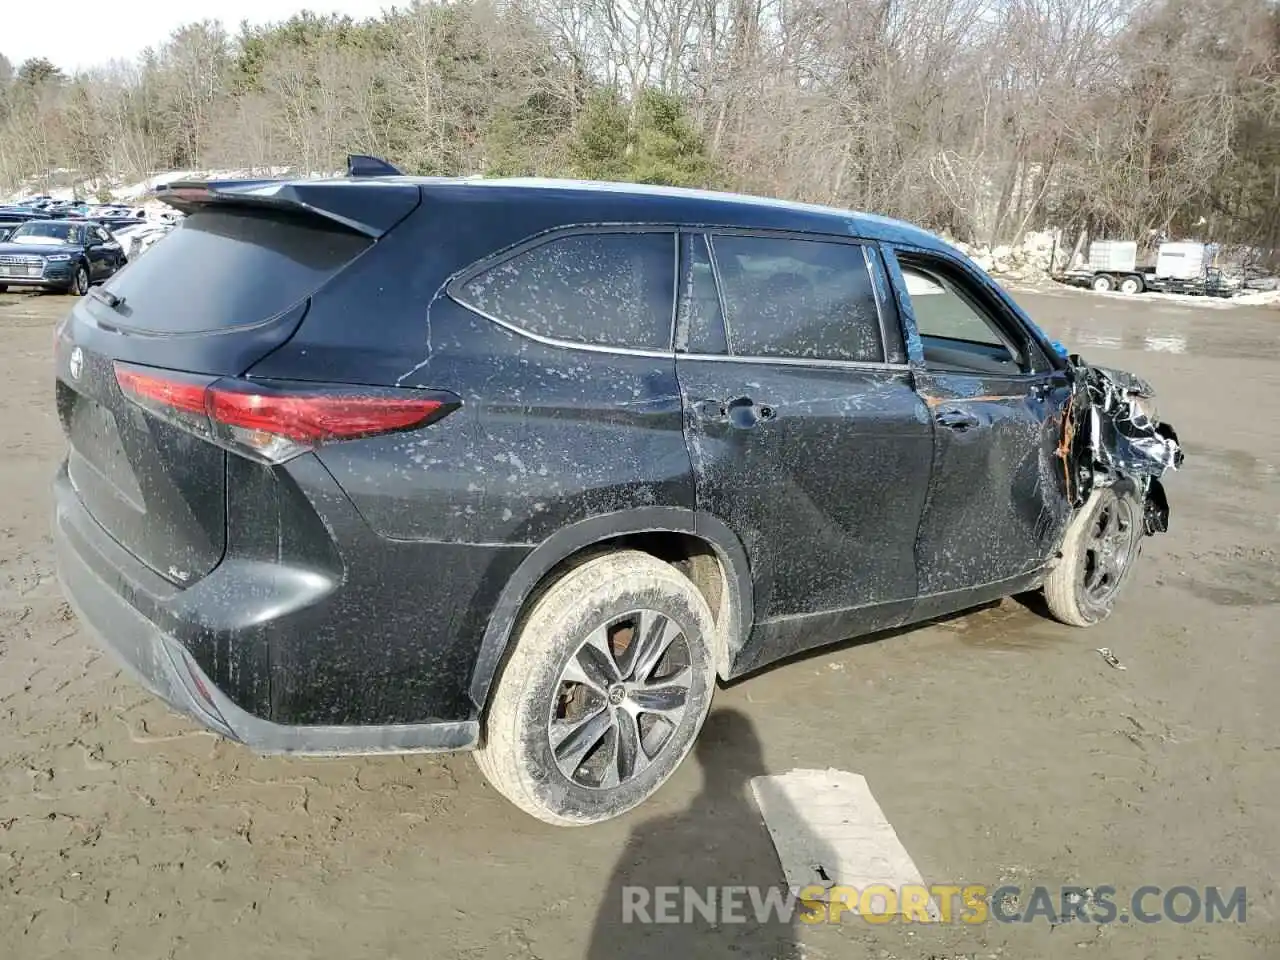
[[1111, 434]]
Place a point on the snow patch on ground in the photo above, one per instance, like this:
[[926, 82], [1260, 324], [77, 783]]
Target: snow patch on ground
[[1259, 298], [1255, 298]]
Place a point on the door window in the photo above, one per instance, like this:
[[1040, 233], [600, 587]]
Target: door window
[[957, 333], [806, 299], [608, 289]]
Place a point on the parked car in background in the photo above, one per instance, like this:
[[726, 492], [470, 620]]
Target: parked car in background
[[20, 214], [398, 464], [111, 217], [136, 238], [64, 255], [114, 223]]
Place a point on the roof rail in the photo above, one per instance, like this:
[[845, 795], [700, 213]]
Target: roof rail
[[359, 165]]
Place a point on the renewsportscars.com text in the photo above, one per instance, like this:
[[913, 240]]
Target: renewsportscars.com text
[[939, 903]]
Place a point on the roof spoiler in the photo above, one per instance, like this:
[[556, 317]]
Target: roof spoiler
[[361, 165], [370, 208]]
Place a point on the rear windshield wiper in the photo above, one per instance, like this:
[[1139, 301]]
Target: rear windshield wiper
[[107, 297]]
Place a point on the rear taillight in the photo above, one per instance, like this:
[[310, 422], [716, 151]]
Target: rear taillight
[[274, 421]]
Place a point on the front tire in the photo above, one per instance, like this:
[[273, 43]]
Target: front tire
[[79, 282], [609, 681], [1102, 283], [1101, 544]]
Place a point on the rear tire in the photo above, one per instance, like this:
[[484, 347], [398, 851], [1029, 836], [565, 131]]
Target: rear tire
[[1102, 542], [568, 738], [1103, 283], [1131, 285]]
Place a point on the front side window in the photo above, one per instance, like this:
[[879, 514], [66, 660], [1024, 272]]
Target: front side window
[[793, 298], [956, 332], [607, 289], [942, 312]]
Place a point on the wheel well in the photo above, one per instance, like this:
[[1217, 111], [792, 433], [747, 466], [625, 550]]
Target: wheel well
[[694, 557]]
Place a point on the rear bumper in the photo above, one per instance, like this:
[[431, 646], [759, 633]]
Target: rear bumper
[[162, 664]]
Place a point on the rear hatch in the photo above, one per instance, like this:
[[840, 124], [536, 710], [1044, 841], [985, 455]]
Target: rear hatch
[[226, 287]]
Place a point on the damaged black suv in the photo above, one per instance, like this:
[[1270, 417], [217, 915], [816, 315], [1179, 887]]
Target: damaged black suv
[[400, 464]]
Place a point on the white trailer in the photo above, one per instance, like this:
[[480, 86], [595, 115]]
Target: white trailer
[[1179, 268]]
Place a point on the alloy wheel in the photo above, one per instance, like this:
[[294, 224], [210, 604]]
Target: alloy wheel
[[619, 699], [1110, 548]]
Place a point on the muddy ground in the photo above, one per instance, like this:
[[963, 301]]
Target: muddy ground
[[1000, 744]]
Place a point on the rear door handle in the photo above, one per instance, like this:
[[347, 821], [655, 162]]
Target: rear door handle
[[955, 419]]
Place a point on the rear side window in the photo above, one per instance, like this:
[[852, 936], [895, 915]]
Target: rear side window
[[608, 289], [806, 299], [221, 269]]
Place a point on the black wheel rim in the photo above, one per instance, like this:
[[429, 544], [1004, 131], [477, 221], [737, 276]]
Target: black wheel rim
[[1109, 549]]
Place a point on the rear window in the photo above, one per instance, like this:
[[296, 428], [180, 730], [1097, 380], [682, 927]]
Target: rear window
[[221, 269], [609, 289]]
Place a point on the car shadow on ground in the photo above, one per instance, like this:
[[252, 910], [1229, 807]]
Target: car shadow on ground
[[719, 841]]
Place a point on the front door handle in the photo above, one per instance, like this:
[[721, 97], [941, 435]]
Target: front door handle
[[956, 419], [710, 411], [741, 412], [744, 413]]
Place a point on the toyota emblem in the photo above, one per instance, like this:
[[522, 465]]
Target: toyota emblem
[[76, 363]]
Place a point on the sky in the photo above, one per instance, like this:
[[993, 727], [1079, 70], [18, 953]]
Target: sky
[[88, 33]]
